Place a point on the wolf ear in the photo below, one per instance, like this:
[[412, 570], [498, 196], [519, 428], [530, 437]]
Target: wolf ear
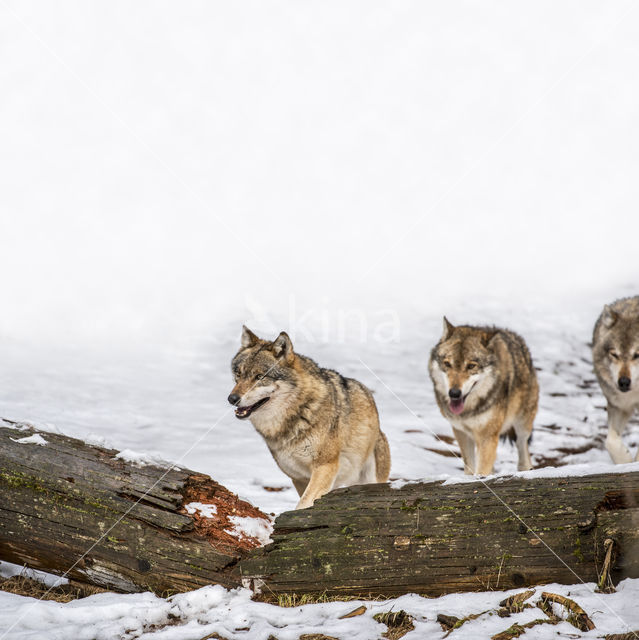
[[609, 317], [248, 337], [283, 347], [448, 329], [488, 337]]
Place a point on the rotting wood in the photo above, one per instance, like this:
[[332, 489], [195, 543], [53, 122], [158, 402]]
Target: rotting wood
[[69, 507], [435, 538]]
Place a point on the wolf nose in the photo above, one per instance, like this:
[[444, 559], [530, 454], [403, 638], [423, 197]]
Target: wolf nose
[[624, 383], [234, 398], [455, 393]]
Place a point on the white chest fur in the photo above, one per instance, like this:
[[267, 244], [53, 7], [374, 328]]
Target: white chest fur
[[470, 425], [294, 461], [626, 401]]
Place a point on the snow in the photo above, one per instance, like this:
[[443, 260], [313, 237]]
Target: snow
[[233, 615], [347, 172], [172, 403], [141, 459], [205, 510], [251, 527], [36, 438]]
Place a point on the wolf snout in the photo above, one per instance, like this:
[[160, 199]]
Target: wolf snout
[[235, 398], [624, 383], [455, 393]]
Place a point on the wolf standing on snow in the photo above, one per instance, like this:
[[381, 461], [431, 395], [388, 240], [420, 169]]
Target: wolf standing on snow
[[321, 428], [615, 355], [485, 386]]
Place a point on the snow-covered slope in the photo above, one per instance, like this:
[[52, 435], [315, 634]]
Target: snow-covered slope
[[170, 403], [348, 172], [232, 615]]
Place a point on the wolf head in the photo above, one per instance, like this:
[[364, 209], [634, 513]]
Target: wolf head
[[617, 348], [462, 366], [264, 374]]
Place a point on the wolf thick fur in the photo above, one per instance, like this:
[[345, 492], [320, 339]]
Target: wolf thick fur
[[321, 428], [615, 355], [485, 386]]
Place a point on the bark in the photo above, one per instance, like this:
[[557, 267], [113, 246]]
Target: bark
[[68, 507], [435, 538]]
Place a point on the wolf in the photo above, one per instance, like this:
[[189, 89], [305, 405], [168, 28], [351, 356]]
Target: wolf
[[486, 387], [321, 428], [615, 356]]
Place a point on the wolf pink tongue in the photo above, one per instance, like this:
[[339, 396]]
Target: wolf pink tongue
[[457, 406]]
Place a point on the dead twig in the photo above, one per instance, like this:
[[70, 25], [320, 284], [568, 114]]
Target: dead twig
[[515, 603], [450, 623], [355, 612], [516, 629], [577, 616], [605, 583], [447, 622]]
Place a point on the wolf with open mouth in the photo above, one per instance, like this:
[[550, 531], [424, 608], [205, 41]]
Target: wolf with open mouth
[[486, 387], [321, 428]]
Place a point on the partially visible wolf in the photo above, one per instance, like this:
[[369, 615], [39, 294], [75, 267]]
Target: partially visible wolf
[[485, 386], [615, 355], [321, 428]]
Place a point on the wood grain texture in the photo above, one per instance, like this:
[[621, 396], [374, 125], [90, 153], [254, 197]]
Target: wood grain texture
[[69, 505], [435, 538]]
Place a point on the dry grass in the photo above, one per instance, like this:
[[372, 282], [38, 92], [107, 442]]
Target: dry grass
[[25, 586], [399, 623], [295, 600]]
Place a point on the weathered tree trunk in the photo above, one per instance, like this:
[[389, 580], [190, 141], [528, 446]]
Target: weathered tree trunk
[[435, 538], [68, 507]]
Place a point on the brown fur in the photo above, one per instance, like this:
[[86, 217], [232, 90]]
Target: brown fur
[[615, 355], [492, 371], [321, 428]]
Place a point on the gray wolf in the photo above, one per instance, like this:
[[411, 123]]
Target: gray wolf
[[615, 356], [321, 428], [486, 387]]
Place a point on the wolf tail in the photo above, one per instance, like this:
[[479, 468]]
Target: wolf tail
[[382, 458]]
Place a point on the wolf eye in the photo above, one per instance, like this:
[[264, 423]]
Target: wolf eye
[[613, 355], [259, 376], [447, 364], [471, 365], [636, 356]]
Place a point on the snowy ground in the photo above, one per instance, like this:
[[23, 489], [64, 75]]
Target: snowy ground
[[171, 169], [171, 403], [233, 615]]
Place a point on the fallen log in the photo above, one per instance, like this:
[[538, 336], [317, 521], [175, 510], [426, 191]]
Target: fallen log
[[70, 508], [67, 507], [436, 538]]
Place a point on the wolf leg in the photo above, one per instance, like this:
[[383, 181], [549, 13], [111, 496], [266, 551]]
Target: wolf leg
[[382, 459], [486, 453], [467, 448], [300, 485], [523, 429], [617, 421], [321, 482], [368, 473]]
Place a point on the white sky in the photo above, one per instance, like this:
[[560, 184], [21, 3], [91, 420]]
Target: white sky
[[161, 163]]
